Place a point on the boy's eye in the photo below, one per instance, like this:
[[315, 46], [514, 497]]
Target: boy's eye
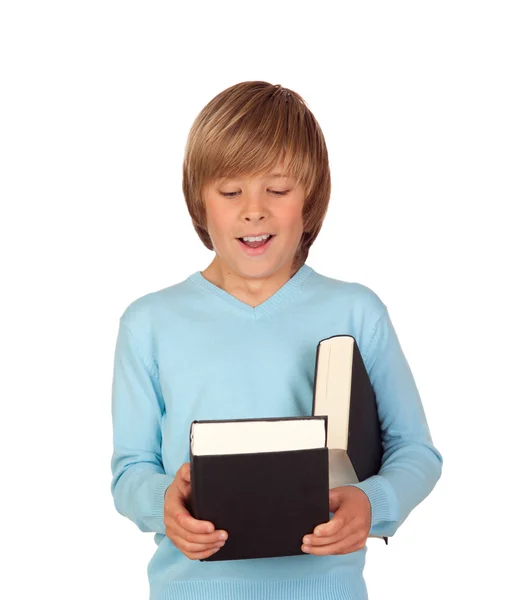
[[232, 194]]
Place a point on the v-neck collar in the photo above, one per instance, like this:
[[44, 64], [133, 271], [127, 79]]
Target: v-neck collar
[[286, 291]]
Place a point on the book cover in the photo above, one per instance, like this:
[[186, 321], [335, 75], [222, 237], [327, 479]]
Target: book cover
[[264, 481]]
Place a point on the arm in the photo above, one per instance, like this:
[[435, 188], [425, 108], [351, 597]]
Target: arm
[[139, 481], [411, 464]]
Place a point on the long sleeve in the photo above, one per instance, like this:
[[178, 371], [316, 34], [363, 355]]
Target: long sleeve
[[139, 482], [411, 464]]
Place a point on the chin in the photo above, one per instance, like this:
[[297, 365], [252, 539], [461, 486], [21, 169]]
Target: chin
[[259, 271]]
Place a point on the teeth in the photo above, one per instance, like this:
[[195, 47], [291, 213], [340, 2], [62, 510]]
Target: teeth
[[256, 239]]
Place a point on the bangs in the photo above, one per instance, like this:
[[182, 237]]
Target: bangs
[[257, 136]]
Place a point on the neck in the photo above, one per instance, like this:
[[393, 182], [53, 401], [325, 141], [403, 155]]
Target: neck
[[252, 290]]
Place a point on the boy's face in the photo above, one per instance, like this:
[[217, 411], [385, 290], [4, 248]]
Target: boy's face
[[263, 205]]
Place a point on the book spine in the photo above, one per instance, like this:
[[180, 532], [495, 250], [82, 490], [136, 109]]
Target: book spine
[[192, 502]]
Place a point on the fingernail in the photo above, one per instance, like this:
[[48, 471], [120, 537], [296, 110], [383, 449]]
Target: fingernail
[[223, 536], [306, 541], [305, 549]]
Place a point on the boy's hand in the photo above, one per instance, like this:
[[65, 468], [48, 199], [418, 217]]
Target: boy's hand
[[196, 539], [347, 530]]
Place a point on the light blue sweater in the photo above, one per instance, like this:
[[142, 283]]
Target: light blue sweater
[[194, 351]]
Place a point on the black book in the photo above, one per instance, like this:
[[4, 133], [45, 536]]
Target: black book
[[264, 481], [343, 392]]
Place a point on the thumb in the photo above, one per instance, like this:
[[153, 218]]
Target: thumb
[[336, 499], [175, 499], [177, 509], [179, 490], [184, 472]]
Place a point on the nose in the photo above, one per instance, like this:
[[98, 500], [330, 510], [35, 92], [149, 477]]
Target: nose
[[254, 207], [251, 217]]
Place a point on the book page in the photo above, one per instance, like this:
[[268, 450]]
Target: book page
[[249, 436], [333, 387]]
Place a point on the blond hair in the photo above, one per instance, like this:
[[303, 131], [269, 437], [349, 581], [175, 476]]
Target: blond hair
[[245, 130]]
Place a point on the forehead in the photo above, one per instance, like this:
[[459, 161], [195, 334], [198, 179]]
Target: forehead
[[267, 176]]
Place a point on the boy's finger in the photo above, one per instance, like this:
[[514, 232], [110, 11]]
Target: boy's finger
[[186, 521], [177, 511], [192, 547], [351, 544], [331, 527], [205, 539], [202, 538], [324, 540], [200, 555], [184, 471]]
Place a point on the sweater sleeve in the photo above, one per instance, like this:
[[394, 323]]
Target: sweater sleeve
[[138, 481], [411, 464]]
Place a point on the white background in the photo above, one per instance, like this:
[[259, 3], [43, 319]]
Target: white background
[[417, 103]]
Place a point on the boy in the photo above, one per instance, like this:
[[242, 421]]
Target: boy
[[238, 340]]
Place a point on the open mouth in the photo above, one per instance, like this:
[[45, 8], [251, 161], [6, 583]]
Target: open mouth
[[256, 244], [254, 248]]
